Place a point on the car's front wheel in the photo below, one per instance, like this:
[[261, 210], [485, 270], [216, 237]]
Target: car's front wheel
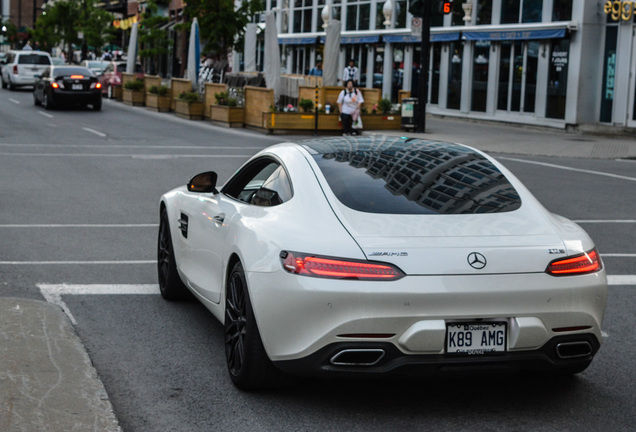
[[170, 284], [249, 366]]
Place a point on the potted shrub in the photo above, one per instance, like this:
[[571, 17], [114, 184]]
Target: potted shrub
[[189, 106], [158, 98], [134, 92], [226, 112], [306, 104]]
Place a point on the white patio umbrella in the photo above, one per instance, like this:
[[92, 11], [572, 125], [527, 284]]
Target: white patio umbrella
[[250, 47], [132, 49], [331, 55], [272, 55], [194, 55]]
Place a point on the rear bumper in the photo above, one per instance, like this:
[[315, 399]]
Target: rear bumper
[[21, 80], [77, 97], [361, 359]]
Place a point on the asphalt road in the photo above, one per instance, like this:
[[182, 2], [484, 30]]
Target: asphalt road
[[78, 206]]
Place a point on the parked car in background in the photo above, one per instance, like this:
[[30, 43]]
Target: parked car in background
[[97, 66], [58, 61], [21, 67], [67, 85], [112, 76]]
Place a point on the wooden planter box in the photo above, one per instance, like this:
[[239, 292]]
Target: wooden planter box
[[226, 116], [327, 122], [189, 110], [134, 98], [118, 92], [157, 103]]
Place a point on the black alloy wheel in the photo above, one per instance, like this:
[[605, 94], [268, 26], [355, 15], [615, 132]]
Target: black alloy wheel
[[249, 366], [170, 284]]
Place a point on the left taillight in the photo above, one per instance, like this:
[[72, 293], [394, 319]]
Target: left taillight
[[338, 268], [588, 262]]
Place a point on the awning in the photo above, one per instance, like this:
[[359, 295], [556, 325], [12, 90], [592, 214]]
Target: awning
[[435, 37], [359, 39], [297, 41], [523, 34]]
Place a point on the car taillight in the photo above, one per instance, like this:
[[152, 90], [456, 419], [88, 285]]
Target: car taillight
[[338, 268], [96, 85], [15, 69], [55, 85], [77, 76], [588, 262]]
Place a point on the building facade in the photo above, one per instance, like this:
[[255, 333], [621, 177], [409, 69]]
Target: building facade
[[553, 63]]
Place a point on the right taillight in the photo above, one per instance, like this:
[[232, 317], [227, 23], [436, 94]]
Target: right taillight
[[588, 262]]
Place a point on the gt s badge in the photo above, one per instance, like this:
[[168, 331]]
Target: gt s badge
[[556, 251], [389, 254]]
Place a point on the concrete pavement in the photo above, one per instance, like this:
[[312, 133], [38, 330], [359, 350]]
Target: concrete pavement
[[47, 380]]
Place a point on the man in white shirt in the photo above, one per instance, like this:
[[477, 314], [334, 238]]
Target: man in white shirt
[[352, 73]]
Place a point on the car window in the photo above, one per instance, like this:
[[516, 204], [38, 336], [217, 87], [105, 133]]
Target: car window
[[34, 59], [263, 183]]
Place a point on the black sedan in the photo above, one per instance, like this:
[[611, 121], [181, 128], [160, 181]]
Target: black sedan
[[67, 85]]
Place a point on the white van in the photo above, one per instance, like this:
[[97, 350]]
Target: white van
[[19, 68]]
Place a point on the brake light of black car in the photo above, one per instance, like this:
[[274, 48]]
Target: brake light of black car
[[55, 85], [338, 268], [588, 262], [96, 85]]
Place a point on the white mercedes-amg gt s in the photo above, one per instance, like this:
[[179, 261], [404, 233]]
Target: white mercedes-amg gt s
[[374, 255]]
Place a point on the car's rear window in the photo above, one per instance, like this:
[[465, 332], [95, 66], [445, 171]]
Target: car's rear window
[[422, 177], [34, 59], [68, 71]]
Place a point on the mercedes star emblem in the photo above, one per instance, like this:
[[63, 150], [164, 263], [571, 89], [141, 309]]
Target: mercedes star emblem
[[477, 260]]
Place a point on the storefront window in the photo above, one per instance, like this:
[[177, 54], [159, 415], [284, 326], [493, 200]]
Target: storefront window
[[609, 74], [480, 76], [455, 76], [558, 79], [510, 11], [457, 14], [504, 76], [562, 10], [532, 11], [517, 76], [484, 12], [302, 16], [358, 15], [437, 58], [532, 61]]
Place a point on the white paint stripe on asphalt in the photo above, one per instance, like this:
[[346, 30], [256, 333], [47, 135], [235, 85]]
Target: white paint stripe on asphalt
[[621, 280], [53, 293], [45, 114], [77, 262], [114, 155], [599, 173], [17, 102], [94, 132], [615, 221], [79, 225]]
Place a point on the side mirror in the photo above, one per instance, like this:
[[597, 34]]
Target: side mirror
[[203, 183]]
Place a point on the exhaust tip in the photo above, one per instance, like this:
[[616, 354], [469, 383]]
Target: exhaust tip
[[569, 350], [357, 357]]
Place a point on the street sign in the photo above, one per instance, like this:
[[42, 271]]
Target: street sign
[[416, 26]]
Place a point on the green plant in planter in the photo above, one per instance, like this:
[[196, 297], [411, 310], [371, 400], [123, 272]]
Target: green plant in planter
[[385, 105], [159, 90], [233, 102], [190, 97], [221, 98], [135, 85], [306, 104]]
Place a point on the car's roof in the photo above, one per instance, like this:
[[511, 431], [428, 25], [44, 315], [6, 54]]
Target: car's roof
[[30, 52]]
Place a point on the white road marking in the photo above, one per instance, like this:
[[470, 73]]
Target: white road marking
[[78, 262], [616, 221], [17, 102], [79, 225], [599, 173], [621, 280], [94, 131], [53, 293], [45, 114]]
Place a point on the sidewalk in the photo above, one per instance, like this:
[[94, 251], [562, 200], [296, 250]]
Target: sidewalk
[[493, 137], [47, 381]]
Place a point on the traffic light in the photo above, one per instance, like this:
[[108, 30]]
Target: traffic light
[[437, 7]]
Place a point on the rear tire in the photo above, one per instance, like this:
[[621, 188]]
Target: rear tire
[[109, 92], [4, 84], [248, 364], [170, 284], [97, 105], [36, 102], [11, 85], [46, 102]]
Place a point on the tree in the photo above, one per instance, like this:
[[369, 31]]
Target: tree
[[66, 18], [153, 41], [220, 24]]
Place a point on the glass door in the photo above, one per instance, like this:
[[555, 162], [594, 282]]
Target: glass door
[[518, 62]]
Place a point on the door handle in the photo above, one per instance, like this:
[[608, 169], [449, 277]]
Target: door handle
[[219, 218]]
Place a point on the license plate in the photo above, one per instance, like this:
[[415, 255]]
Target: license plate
[[77, 87], [476, 338]]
